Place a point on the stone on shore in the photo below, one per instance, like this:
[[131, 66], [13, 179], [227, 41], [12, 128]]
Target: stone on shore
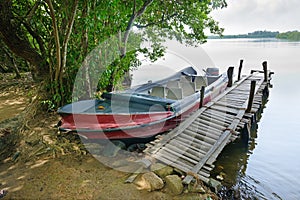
[[161, 170], [149, 181], [195, 188], [174, 184]]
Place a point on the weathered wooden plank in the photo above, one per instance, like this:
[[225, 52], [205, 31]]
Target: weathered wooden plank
[[215, 121], [224, 109], [190, 147], [194, 146], [186, 151], [219, 113], [224, 137], [228, 105], [219, 118], [210, 123], [173, 158], [207, 167], [232, 102], [207, 126], [204, 173], [189, 135], [180, 154], [207, 130], [203, 133], [168, 161], [201, 137]]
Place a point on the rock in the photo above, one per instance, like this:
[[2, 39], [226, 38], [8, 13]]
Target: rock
[[149, 181], [196, 188], [161, 169], [174, 184]]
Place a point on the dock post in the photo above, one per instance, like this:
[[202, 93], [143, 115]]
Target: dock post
[[201, 96], [251, 96], [230, 75], [240, 69], [265, 66]]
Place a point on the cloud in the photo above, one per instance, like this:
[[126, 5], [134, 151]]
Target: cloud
[[242, 16]]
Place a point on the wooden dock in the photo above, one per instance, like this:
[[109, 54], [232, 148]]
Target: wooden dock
[[196, 143]]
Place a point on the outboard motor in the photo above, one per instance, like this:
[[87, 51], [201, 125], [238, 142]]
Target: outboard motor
[[212, 74], [212, 71]]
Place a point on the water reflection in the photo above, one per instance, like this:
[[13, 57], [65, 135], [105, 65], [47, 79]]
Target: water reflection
[[274, 166], [232, 165]]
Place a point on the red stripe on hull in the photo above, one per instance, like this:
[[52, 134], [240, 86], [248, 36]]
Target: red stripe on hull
[[126, 126]]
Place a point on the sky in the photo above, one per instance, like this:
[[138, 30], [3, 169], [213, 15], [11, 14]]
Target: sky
[[244, 16]]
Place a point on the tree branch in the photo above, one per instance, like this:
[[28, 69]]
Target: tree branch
[[164, 19], [68, 34], [32, 11], [56, 36], [36, 37], [131, 22]]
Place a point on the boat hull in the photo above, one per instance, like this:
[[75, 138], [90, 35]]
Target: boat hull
[[136, 125], [156, 124]]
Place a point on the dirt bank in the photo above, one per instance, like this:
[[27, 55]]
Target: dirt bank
[[37, 163]]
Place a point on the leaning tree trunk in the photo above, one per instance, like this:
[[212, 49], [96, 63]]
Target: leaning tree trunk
[[19, 46], [124, 40]]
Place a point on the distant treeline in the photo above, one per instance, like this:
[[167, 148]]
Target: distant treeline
[[291, 35], [255, 34]]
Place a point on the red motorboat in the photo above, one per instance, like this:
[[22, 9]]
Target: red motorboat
[[143, 111]]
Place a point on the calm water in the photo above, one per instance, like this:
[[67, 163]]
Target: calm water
[[269, 168]]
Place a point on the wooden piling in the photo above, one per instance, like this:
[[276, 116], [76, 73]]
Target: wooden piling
[[251, 96], [240, 69], [201, 96], [265, 66], [230, 76]]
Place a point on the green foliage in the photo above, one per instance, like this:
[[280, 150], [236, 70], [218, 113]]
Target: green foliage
[[49, 105], [291, 35], [89, 56]]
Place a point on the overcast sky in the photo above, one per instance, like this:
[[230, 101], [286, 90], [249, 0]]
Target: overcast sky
[[244, 16]]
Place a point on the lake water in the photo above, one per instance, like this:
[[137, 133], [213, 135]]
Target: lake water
[[269, 168]]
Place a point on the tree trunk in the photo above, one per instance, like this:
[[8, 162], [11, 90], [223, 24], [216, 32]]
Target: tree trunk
[[84, 44], [19, 46], [56, 38], [123, 44]]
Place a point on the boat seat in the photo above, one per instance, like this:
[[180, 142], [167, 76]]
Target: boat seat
[[173, 84], [188, 88], [158, 91], [199, 82], [175, 93], [185, 78]]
